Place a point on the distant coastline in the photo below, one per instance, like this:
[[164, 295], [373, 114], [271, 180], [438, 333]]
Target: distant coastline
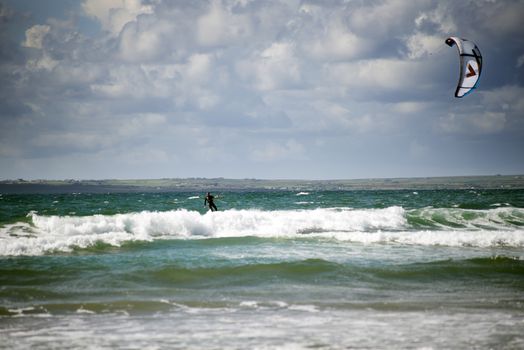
[[222, 184]]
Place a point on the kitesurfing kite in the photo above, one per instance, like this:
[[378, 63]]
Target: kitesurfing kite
[[470, 65]]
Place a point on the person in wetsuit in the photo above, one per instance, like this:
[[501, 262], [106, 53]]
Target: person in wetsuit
[[209, 200]]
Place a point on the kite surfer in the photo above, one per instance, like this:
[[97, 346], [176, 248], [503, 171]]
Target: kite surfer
[[209, 200]]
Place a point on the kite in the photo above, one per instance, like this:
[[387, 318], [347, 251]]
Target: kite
[[470, 65]]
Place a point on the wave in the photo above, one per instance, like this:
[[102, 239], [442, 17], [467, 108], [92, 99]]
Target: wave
[[325, 272], [319, 275], [443, 218], [428, 226], [502, 268]]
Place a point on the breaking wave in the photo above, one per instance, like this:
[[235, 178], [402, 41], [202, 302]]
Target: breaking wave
[[427, 226]]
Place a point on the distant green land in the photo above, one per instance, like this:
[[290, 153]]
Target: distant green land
[[221, 184]]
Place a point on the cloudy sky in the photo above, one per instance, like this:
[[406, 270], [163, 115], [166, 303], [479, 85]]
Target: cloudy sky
[[257, 89]]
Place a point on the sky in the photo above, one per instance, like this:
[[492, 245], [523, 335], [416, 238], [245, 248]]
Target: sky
[[129, 89]]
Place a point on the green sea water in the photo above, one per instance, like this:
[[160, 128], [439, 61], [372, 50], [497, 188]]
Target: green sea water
[[270, 269]]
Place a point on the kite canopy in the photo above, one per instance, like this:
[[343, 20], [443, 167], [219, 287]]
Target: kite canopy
[[470, 65]]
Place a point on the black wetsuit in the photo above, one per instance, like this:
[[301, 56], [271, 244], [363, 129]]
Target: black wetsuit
[[209, 201]]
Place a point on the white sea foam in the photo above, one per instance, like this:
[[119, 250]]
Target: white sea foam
[[438, 238], [500, 218], [81, 310], [451, 227], [264, 305]]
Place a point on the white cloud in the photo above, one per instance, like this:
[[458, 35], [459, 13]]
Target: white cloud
[[124, 82], [338, 43], [131, 81], [422, 45], [219, 26], [440, 17], [34, 38], [138, 45], [68, 73], [114, 14], [276, 67], [198, 68], [44, 62], [384, 18], [35, 35], [195, 84], [375, 75]]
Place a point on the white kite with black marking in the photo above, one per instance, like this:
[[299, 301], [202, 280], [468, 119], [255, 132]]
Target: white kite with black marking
[[470, 65]]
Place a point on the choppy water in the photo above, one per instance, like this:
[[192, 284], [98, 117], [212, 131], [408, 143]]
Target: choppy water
[[359, 269]]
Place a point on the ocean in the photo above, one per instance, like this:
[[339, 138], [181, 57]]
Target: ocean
[[370, 269]]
